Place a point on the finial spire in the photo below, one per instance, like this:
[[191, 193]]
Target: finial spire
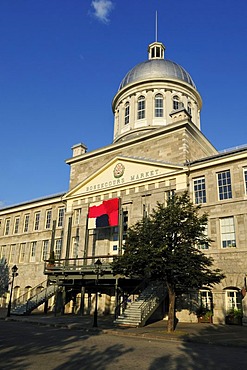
[[156, 26]]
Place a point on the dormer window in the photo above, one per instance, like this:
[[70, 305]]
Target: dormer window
[[127, 114], [141, 107], [158, 105]]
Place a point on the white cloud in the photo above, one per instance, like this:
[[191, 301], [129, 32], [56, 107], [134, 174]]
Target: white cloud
[[102, 9]]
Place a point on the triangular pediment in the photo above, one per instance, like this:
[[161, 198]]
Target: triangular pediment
[[123, 171]]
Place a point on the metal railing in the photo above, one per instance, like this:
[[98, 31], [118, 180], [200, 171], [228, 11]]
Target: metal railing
[[120, 308], [27, 295], [78, 264], [152, 301]]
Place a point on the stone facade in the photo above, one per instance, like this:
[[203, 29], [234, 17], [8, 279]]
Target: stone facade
[[157, 157]]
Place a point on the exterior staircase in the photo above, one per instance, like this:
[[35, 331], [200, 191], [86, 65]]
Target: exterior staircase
[[24, 306], [143, 307]]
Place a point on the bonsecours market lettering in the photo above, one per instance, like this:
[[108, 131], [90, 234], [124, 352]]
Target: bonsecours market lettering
[[115, 182]]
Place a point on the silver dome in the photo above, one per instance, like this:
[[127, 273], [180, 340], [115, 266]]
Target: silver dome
[[156, 68]]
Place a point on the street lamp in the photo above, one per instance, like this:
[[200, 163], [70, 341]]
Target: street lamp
[[14, 274], [98, 271]]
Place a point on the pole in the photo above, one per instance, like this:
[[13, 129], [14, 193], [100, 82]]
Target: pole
[[10, 298], [95, 316]]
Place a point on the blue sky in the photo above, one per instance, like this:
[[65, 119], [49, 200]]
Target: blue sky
[[61, 62]]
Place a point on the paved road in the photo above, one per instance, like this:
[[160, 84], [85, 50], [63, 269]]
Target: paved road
[[26, 346]]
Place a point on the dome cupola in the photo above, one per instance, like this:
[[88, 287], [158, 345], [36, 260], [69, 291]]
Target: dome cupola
[[150, 92]]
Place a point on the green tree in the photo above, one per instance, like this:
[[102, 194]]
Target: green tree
[[4, 276], [164, 247]]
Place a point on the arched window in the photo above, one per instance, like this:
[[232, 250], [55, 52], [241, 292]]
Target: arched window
[[127, 114], [175, 102], [141, 107], [189, 108], [158, 105]]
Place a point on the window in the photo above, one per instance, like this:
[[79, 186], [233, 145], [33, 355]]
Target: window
[[17, 223], [60, 221], [26, 223], [12, 253], [23, 251], [141, 107], [245, 180], [158, 105], [205, 245], [189, 108], [33, 251], [75, 247], [200, 190], [127, 114], [228, 238], [77, 216], [3, 253], [45, 250], [36, 221], [48, 219], [169, 194], [205, 299], [125, 223], [175, 102], [233, 299], [58, 249], [7, 227], [224, 185]]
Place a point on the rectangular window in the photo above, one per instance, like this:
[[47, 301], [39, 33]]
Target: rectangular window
[[3, 253], [75, 247], [77, 216], [12, 253], [17, 223], [205, 299], [33, 251], [245, 180], [7, 226], [125, 223], [45, 250], [228, 238], [48, 219], [224, 185], [36, 221], [233, 300], [26, 223], [200, 190], [60, 220], [23, 250], [204, 246], [58, 249]]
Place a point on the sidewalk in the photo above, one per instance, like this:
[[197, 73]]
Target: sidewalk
[[226, 335]]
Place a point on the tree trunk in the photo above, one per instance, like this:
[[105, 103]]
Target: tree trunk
[[171, 313]]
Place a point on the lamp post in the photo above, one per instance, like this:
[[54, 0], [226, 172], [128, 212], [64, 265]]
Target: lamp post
[[98, 271], [14, 274]]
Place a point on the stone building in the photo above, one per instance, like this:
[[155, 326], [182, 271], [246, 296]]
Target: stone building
[[158, 149]]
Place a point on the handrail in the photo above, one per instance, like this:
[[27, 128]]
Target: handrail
[[24, 297], [121, 304], [152, 300], [78, 263], [41, 297]]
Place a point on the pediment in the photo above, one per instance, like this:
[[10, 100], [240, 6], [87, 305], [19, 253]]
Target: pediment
[[123, 171]]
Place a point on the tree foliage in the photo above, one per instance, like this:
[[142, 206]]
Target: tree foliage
[[4, 276], [164, 247]]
